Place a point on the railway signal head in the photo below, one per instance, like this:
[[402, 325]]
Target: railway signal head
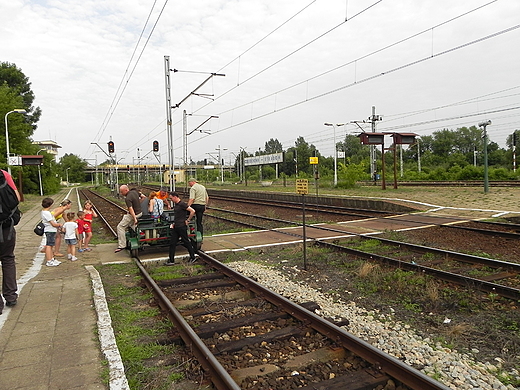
[[155, 146], [111, 147]]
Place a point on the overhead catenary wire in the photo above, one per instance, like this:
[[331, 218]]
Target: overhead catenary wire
[[117, 98], [375, 76], [244, 52], [335, 90]]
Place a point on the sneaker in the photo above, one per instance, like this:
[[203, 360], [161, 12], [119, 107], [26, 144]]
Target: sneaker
[[53, 263], [73, 258], [81, 250], [69, 256], [11, 303], [193, 260], [87, 249], [169, 263]]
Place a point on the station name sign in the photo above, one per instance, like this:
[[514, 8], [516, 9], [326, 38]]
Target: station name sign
[[265, 159]]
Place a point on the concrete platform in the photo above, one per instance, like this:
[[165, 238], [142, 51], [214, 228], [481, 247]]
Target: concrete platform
[[48, 340]]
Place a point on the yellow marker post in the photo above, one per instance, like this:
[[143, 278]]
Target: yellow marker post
[[302, 187]]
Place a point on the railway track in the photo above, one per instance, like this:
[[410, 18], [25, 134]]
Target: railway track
[[482, 273], [211, 302], [494, 276], [247, 337], [461, 183], [108, 211]]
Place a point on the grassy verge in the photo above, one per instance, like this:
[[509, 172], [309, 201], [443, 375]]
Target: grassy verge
[[138, 328]]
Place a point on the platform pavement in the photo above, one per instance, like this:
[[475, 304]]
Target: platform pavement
[[49, 340]]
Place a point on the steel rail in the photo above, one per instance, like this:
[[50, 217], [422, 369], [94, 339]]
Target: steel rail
[[462, 183], [100, 215], [485, 231], [493, 263], [341, 210], [325, 208], [382, 361], [504, 291], [219, 376]]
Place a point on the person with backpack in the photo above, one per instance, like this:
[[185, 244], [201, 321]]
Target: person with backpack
[[9, 218]]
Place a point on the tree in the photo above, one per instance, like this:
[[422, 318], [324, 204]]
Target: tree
[[76, 168], [20, 86], [273, 146], [18, 129], [303, 152], [16, 93]]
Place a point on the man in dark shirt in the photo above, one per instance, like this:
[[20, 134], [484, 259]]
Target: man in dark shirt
[[179, 228], [133, 203]]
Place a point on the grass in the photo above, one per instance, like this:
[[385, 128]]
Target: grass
[[137, 326]]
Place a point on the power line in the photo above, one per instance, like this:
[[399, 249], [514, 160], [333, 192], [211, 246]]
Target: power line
[[404, 66], [112, 110], [289, 55]]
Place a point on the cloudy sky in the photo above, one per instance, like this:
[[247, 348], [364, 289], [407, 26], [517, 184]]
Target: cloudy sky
[[97, 69]]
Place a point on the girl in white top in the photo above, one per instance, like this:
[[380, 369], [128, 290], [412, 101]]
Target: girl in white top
[[51, 227], [71, 236]]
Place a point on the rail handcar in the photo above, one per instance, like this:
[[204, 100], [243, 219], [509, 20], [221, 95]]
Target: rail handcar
[[156, 233]]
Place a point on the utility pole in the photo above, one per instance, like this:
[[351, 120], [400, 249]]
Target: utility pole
[[514, 151], [484, 136], [169, 127], [220, 163], [373, 119], [418, 155]]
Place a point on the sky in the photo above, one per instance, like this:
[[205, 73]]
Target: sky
[[282, 69]]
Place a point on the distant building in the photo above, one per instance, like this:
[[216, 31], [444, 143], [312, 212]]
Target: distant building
[[50, 147]]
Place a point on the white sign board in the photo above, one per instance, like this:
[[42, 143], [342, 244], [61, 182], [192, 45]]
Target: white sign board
[[265, 159], [14, 160]]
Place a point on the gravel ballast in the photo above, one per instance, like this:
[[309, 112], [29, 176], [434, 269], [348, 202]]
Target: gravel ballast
[[455, 370]]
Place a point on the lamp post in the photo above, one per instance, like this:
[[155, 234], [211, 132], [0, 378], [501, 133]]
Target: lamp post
[[242, 164], [39, 173], [484, 136], [67, 172], [19, 111], [220, 163], [335, 151]]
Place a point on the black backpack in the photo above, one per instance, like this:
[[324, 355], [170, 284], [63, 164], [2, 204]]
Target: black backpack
[[9, 213]]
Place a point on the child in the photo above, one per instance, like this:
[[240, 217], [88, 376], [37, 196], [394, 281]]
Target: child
[[83, 227], [89, 214], [51, 227], [58, 213], [71, 234]]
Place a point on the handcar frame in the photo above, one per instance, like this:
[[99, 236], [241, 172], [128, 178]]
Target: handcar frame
[[156, 233]]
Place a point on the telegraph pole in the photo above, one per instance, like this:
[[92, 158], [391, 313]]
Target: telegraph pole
[[514, 151], [484, 136], [169, 127], [373, 166]]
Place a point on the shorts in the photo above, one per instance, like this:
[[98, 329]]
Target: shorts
[[71, 241], [51, 238], [84, 228]]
